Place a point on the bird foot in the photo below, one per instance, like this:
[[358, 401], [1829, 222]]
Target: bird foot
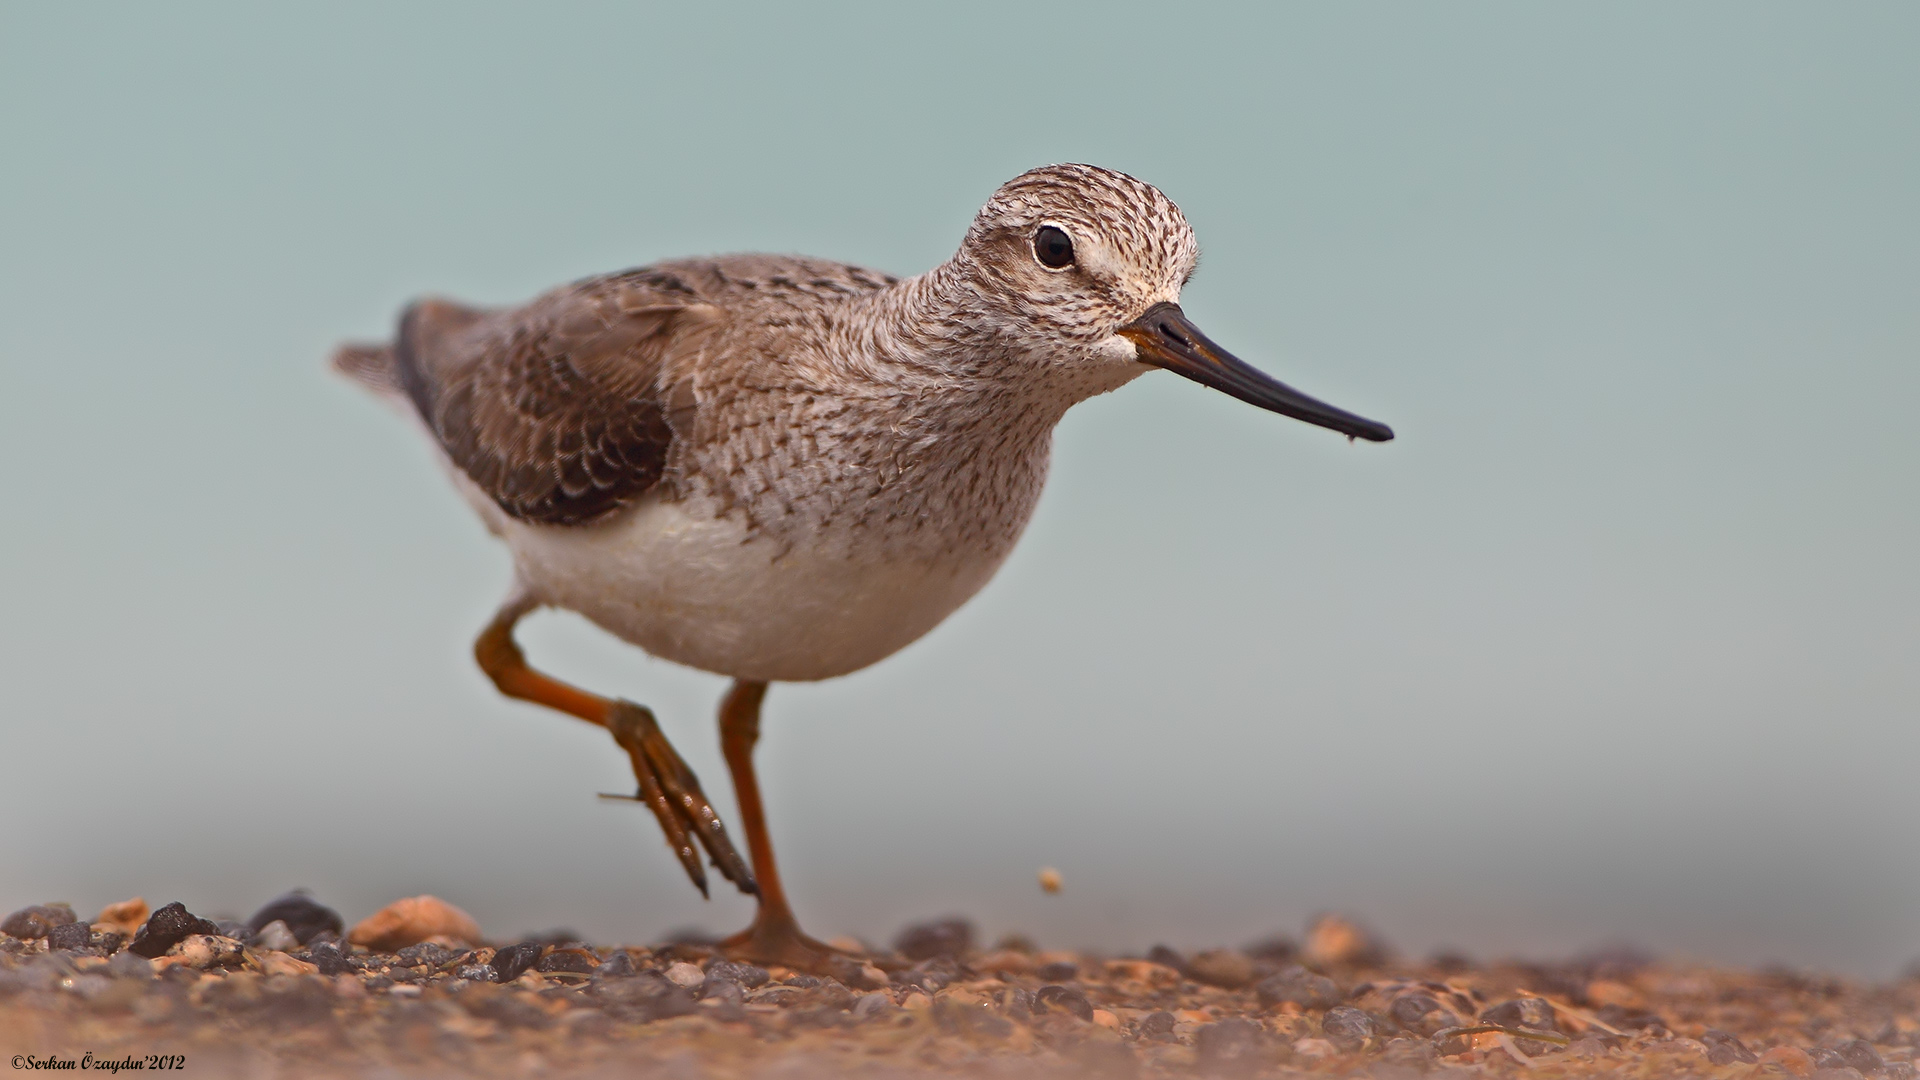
[[779, 941], [669, 788]]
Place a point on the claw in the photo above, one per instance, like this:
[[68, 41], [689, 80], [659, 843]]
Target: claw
[[672, 792]]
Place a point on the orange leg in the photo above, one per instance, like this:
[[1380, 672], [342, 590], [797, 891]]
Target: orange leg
[[774, 937], [667, 786]]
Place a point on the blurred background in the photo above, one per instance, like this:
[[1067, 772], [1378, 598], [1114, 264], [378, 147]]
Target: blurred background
[[1615, 644]]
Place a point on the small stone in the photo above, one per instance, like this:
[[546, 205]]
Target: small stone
[[1300, 986], [127, 964], [279, 963], [73, 935], [331, 959], [1725, 1048], [685, 975], [1336, 940], [169, 927], [413, 920], [1347, 1027], [515, 960], [1050, 881], [1224, 968], [305, 917], [1313, 1049], [575, 959], [1166, 957], [428, 954], [1106, 1019], [1064, 998], [869, 977], [951, 937], [1157, 1026], [617, 966], [867, 1006], [276, 937], [1860, 1054], [1230, 1047], [124, 917], [748, 975], [35, 922], [1057, 972], [203, 952], [1528, 1012], [1421, 1013]]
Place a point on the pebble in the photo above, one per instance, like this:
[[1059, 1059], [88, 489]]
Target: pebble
[[73, 935], [1064, 998], [1050, 881], [574, 959], [33, 923], [127, 964], [685, 975], [279, 963], [1300, 986], [1157, 1026], [1347, 1027], [867, 1006], [1230, 1046], [305, 917], [1336, 940], [277, 937], [1421, 1013], [331, 959], [1224, 968], [1058, 971], [124, 917], [413, 920], [1166, 957], [951, 937], [750, 976], [169, 927], [202, 952], [617, 966], [1527, 1012], [514, 961]]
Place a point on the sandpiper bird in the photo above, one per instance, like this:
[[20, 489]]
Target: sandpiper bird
[[785, 469]]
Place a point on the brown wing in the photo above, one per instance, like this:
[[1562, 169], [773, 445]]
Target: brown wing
[[558, 410]]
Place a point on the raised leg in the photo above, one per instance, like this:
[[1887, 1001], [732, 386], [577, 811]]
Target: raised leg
[[774, 937], [667, 786]]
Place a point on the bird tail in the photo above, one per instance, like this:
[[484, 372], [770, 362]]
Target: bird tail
[[372, 366]]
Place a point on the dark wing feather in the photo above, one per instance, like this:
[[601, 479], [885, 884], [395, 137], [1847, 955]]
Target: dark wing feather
[[557, 410]]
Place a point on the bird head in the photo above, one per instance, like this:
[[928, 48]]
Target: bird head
[[1081, 267]]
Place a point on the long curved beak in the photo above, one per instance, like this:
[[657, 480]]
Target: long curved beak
[[1166, 339]]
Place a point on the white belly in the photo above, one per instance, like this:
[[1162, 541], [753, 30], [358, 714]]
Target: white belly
[[698, 591]]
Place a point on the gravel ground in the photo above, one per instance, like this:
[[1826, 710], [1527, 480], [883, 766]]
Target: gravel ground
[[286, 994]]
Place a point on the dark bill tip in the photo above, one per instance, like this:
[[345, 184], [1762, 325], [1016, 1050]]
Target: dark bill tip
[[1165, 338]]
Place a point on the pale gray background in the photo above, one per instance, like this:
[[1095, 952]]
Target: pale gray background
[[1617, 642]]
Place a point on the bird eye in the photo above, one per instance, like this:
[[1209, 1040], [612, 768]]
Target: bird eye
[[1053, 247]]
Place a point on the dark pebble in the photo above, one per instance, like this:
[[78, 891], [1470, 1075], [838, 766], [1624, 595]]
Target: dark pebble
[[748, 975], [130, 965], [1724, 1048], [1057, 972], [73, 935], [1527, 1012], [478, 973], [1300, 986], [169, 927], [805, 982], [1160, 954], [31, 923], [721, 988], [951, 938], [930, 975], [1861, 1055], [618, 966], [571, 958], [331, 959], [1230, 1047], [108, 942], [1157, 1026], [304, 915], [429, 953], [1631, 1020], [1347, 1027], [1278, 950], [1064, 998], [514, 960]]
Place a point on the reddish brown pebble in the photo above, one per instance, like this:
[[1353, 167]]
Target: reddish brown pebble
[[412, 921]]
